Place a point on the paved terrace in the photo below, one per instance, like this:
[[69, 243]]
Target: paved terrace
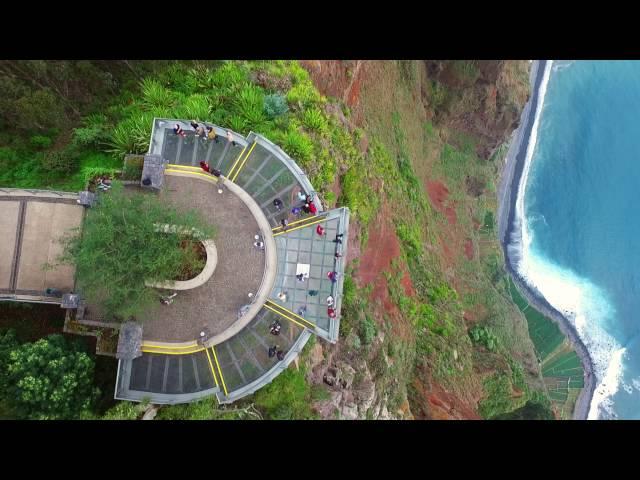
[[31, 223], [232, 366]]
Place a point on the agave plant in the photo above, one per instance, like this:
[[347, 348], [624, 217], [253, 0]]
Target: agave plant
[[298, 145], [250, 105], [313, 119], [155, 95], [194, 107], [237, 123], [131, 135], [229, 76]]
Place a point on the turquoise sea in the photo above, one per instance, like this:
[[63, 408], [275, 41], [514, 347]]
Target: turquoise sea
[[581, 210]]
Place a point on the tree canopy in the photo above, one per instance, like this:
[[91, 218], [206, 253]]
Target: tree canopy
[[120, 248], [49, 379]]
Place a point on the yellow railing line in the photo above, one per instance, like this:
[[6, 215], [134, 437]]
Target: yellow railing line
[[208, 177], [237, 172], [292, 313], [213, 371], [169, 352], [298, 228], [191, 345], [236, 162], [187, 167], [215, 357], [306, 219]]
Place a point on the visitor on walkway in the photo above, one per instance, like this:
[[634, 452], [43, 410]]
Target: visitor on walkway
[[259, 245], [278, 204], [284, 224], [179, 131], [200, 132], [320, 231], [313, 293], [212, 135], [230, 138], [194, 124], [282, 296], [300, 277], [302, 196], [296, 211], [312, 208], [338, 255], [274, 329], [280, 355], [168, 300], [331, 312], [330, 301], [302, 311], [215, 172], [272, 351], [205, 166], [333, 276], [305, 208], [338, 238]]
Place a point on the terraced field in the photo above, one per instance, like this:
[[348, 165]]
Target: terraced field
[[561, 368]]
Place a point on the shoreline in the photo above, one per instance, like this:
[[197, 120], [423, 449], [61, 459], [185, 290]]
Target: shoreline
[[510, 177]]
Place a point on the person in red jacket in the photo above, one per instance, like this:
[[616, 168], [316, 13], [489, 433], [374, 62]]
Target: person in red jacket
[[331, 312], [204, 166], [319, 230], [312, 208]]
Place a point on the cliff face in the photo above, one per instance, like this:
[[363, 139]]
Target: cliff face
[[448, 111]]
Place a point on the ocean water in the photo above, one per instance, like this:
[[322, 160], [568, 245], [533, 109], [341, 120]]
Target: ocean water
[[580, 202]]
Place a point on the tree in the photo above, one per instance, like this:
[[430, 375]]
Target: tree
[[288, 397], [121, 248], [49, 379]]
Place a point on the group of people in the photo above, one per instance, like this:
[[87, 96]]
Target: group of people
[[275, 351], [203, 131]]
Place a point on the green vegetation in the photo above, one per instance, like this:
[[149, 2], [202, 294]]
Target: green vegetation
[[483, 336], [288, 397], [120, 248], [48, 379], [207, 409]]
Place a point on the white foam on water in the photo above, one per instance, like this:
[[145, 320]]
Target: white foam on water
[[580, 301]]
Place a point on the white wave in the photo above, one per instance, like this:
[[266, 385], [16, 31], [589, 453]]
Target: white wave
[[582, 303], [602, 397], [636, 383]]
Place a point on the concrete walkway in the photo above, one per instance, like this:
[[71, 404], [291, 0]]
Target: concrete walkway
[[31, 226]]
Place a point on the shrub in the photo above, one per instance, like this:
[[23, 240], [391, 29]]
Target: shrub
[[484, 336], [275, 105], [40, 141], [131, 135], [330, 198], [60, 162], [89, 173], [368, 330]]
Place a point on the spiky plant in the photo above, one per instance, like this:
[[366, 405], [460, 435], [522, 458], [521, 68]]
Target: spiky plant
[[194, 107], [155, 96], [315, 120]]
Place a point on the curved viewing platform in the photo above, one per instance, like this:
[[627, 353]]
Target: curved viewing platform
[[216, 337]]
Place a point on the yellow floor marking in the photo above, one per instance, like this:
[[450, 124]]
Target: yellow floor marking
[[215, 357]]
